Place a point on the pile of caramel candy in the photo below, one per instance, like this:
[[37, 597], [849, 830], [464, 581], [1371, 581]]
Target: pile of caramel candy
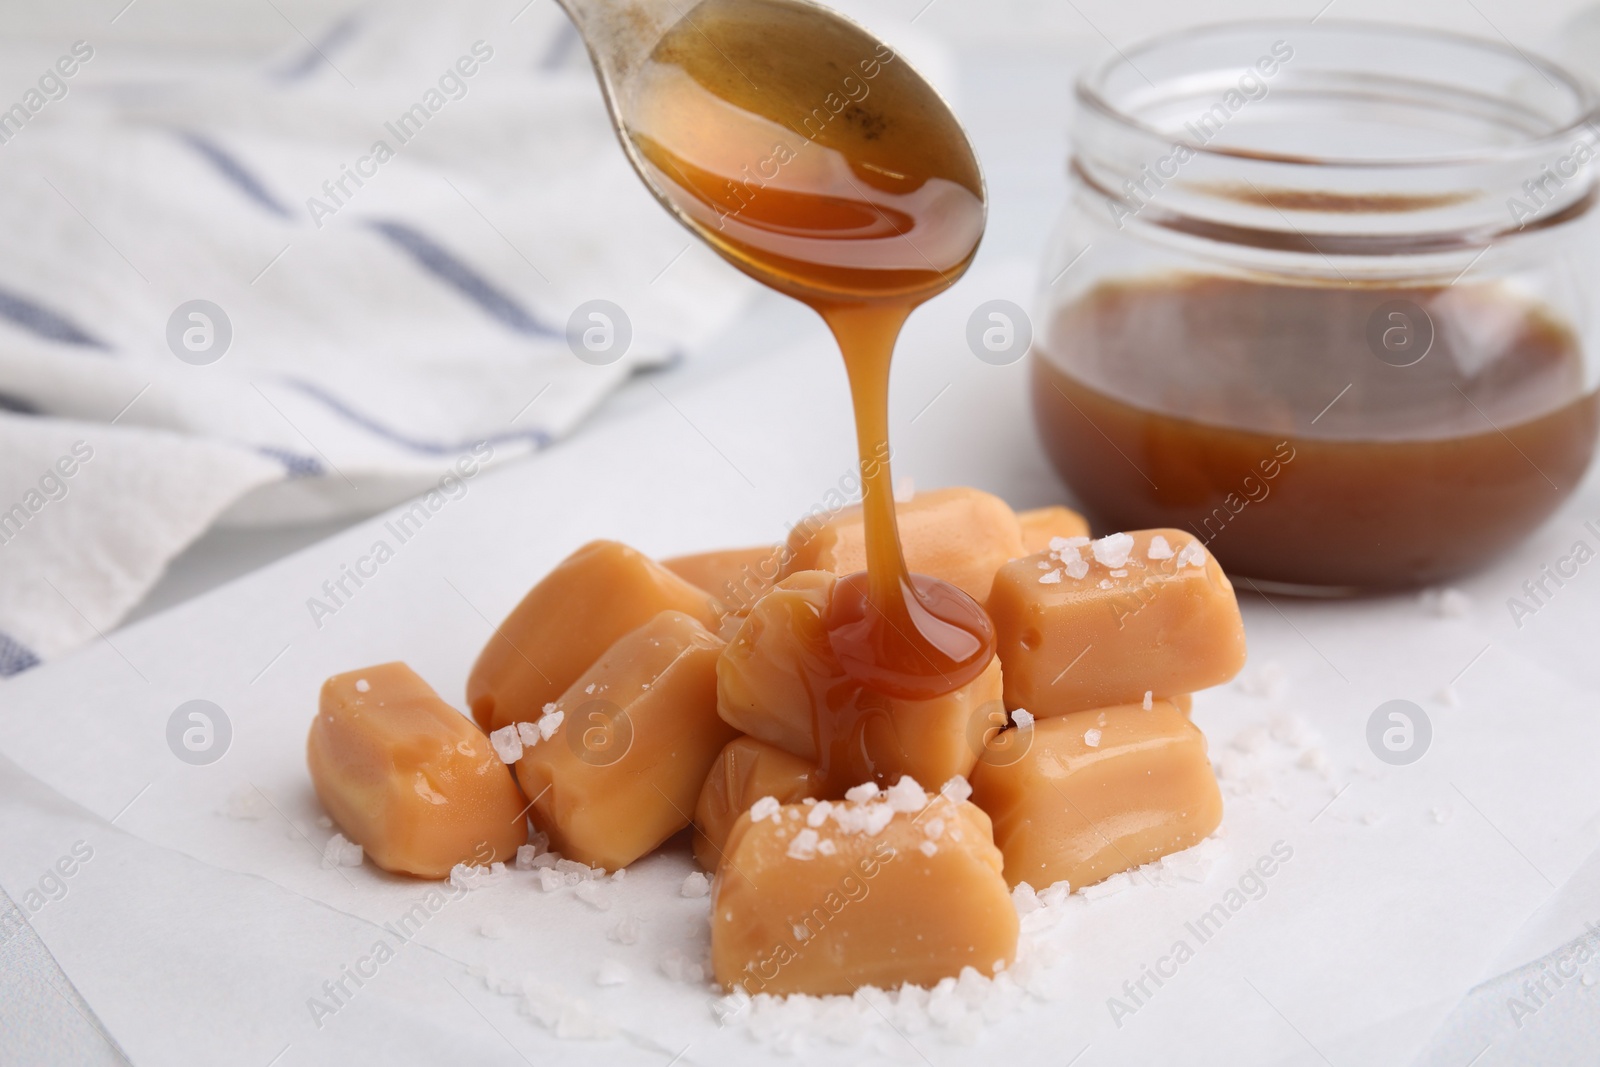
[[856, 838]]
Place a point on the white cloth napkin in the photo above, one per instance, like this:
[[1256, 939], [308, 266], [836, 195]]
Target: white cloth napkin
[[383, 334]]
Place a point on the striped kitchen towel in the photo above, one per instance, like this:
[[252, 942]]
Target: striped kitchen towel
[[271, 287]]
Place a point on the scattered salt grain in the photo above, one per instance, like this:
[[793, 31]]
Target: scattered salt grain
[[1254, 739], [1269, 681], [1372, 818], [340, 851], [928, 848], [804, 845], [1441, 813], [325, 822], [612, 973], [695, 885], [818, 813], [550, 722], [1077, 568], [1023, 718], [625, 932], [1192, 555], [362, 685], [1050, 578], [1289, 730], [1110, 887], [619, 874], [1316, 759], [1061, 545], [589, 689], [466, 876], [1159, 549], [1448, 697], [1106, 583], [1447, 603], [862, 793], [1112, 550], [1025, 900], [507, 744], [591, 894], [765, 808], [528, 734], [1091, 737], [1120, 572], [1149, 699], [826, 847], [551, 879], [906, 795], [677, 965], [493, 928], [246, 803], [1587, 980], [956, 790], [933, 827]]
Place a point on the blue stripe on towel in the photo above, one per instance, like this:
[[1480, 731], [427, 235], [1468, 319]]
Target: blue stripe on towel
[[43, 322], [230, 168], [443, 265], [538, 438], [16, 405], [15, 657], [317, 54], [297, 465]]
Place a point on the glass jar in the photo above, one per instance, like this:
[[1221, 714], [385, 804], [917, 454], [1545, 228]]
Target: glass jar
[[1324, 296]]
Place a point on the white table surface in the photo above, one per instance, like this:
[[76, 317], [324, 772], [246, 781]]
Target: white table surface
[[1015, 101]]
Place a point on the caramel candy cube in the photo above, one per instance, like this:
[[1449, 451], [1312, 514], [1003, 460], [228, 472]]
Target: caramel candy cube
[[408, 777], [746, 771], [737, 577], [779, 682], [1091, 624], [597, 594], [1043, 525], [960, 535], [1098, 792], [824, 898], [619, 761]]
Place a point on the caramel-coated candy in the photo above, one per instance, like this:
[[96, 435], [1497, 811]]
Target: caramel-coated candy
[[597, 594], [1043, 525], [825, 898], [1098, 792], [1092, 624], [620, 769], [779, 682], [408, 777], [960, 535], [746, 771], [737, 577]]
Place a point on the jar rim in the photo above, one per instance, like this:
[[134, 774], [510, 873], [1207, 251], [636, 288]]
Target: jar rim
[[1090, 91]]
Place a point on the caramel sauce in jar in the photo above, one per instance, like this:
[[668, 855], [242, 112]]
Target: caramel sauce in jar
[[1269, 419], [816, 161]]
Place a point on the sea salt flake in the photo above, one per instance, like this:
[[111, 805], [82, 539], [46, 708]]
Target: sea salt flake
[[826, 847], [1159, 549], [1061, 544], [933, 827], [862, 793], [1441, 813], [804, 845], [591, 894], [906, 795], [549, 723], [695, 885], [1112, 550], [1077, 569], [677, 965], [1448, 697], [612, 973], [340, 851], [528, 734], [818, 813], [363, 686], [878, 816], [1269, 681], [468, 876], [928, 848], [493, 928], [1149, 699], [1091, 737], [551, 879], [1192, 555], [1105, 583], [1050, 578], [589, 689], [1023, 718], [246, 803], [765, 808], [625, 932], [1120, 572], [956, 790], [507, 744]]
